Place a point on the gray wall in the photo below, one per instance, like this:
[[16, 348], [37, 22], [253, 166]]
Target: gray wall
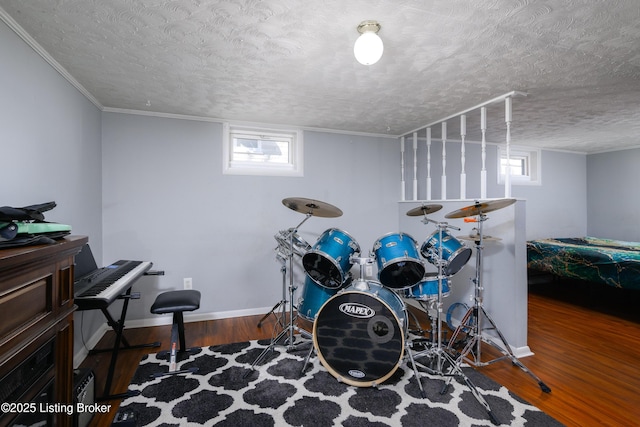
[[614, 198], [50, 137], [166, 200]]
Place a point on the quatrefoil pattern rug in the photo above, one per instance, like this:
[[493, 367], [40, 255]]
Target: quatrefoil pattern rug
[[227, 391]]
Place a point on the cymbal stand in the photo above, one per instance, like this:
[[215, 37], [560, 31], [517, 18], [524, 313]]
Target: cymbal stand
[[441, 356], [473, 320], [287, 329], [436, 335]]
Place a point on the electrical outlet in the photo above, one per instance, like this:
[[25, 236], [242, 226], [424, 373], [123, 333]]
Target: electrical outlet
[[188, 283]]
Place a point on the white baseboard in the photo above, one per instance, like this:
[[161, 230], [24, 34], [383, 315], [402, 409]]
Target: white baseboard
[[83, 352], [161, 320]]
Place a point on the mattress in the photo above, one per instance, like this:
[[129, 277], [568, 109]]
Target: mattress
[[612, 262]]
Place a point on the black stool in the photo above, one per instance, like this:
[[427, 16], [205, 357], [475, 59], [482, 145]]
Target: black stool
[[176, 302]]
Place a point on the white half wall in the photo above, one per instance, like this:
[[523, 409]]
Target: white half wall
[[504, 270]]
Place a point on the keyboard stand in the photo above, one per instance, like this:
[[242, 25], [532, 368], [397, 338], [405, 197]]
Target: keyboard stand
[[118, 327]]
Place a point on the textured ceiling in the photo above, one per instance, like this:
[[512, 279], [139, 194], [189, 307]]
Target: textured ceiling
[[291, 62]]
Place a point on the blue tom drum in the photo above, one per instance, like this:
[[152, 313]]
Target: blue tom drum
[[427, 290], [328, 262], [399, 264], [454, 253]]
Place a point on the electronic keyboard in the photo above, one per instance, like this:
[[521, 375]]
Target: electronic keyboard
[[102, 286]]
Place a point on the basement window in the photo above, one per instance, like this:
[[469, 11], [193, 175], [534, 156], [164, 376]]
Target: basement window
[[260, 151], [523, 164]]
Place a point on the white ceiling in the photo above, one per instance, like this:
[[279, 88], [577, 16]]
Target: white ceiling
[[291, 62]]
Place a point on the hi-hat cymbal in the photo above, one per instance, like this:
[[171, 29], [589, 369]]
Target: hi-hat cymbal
[[480, 208], [424, 210], [312, 207]]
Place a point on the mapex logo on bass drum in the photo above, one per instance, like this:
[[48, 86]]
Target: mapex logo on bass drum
[[357, 310]]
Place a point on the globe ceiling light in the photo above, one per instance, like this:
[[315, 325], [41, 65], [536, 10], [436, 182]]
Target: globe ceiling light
[[368, 48]]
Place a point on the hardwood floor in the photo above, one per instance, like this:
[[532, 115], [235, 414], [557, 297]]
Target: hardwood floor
[[589, 357]]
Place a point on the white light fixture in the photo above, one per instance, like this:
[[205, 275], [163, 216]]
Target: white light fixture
[[368, 48]]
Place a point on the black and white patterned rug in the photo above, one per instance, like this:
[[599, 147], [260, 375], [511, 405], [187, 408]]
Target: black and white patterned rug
[[227, 392]]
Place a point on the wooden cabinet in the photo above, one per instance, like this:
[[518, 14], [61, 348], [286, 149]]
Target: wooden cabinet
[[36, 326]]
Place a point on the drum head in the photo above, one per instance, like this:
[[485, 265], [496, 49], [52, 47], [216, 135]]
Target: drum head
[[323, 270], [358, 338], [402, 274]]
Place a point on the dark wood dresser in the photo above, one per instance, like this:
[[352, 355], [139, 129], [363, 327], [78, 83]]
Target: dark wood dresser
[[36, 331]]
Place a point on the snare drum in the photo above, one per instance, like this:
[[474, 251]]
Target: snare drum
[[313, 297], [399, 264], [427, 290], [454, 253], [328, 262], [359, 334]]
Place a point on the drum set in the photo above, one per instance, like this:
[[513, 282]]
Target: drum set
[[360, 326]]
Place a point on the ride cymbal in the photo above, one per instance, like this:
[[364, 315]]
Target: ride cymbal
[[480, 208], [424, 210], [312, 207]]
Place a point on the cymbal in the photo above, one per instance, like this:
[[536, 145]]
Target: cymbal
[[424, 210], [476, 237], [312, 207], [480, 208]]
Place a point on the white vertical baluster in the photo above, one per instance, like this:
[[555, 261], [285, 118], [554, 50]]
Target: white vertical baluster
[[428, 163], [463, 175], [415, 166], [507, 119], [402, 169], [444, 162], [483, 171]]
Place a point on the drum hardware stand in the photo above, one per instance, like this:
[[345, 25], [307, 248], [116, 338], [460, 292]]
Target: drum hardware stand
[[439, 352], [441, 263], [473, 319], [287, 329]]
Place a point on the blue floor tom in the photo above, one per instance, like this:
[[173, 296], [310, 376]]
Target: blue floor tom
[[313, 296]]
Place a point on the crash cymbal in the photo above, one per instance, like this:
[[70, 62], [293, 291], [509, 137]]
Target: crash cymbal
[[424, 210], [312, 207], [480, 208]]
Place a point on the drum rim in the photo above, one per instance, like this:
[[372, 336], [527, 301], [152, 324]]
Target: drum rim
[[403, 331], [405, 259], [326, 256], [453, 256]]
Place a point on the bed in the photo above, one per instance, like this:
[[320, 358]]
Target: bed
[[612, 262]]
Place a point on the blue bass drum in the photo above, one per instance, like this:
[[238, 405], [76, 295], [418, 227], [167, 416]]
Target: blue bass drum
[[313, 297], [359, 334], [328, 262], [399, 264], [427, 290]]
